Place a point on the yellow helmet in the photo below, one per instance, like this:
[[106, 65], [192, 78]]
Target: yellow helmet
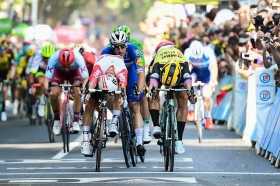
[[171, 74]]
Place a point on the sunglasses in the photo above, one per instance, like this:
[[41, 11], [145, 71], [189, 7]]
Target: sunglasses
[[119, 46]]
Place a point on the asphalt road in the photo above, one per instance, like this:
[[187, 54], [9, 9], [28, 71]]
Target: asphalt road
[[223, 158]]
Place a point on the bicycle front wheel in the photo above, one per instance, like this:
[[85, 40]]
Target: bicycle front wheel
[[169, 142], [65, 131], [98, 156], [124, 138]]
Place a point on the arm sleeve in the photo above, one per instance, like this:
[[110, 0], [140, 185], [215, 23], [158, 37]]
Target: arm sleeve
[[133, 55], [51, 66], [81, 65], [122, 74]]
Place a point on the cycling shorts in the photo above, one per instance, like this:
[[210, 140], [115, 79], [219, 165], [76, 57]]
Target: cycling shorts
[[132, 83]]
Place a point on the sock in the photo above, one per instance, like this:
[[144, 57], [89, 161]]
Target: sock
[[207, 114], [180, 128], [116, 112], [155, 116], [139, 136], [86, 133]]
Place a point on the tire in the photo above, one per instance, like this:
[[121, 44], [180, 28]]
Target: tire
[[65, 131], [99, 145], [164, 147], [172, 148], [199, 118], [124, 138], [199, 130], [132, 152], [98, 156], [166, 153], [169, 145], [49, 123]]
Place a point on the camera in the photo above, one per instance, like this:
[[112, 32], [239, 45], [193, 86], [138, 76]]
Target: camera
[[276, 18], [258, 21], [247, 56]]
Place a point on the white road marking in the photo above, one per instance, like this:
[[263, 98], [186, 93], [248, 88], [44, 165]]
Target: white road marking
[[72, 145], [106, 179], [32, 181], [146, 172], [88, 160], [187, 167], [51, 168]]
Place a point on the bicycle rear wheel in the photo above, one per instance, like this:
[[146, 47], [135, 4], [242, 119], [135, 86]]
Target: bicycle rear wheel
[[100, 124]]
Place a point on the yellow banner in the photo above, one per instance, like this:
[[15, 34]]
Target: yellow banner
[[197, 2]]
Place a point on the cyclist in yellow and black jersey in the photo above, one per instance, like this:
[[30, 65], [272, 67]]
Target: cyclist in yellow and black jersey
[[170, 69]]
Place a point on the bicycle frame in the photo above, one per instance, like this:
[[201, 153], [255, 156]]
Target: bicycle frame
[[169, 128], [99, 130], [65, 117]]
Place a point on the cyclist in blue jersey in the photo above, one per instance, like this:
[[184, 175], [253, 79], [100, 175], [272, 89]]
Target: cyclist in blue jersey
[[144, 102], [136, 83]]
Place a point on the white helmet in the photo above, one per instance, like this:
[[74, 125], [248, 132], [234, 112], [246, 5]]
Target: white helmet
[[196, 49], [108, 83], [118, 38]]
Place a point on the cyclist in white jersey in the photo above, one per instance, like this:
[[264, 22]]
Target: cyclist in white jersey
[[203, 68]]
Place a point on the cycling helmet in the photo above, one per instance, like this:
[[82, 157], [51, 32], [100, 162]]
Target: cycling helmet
[[118, 38], [108, 83], [29, 50], [66, 57], [164, 43], [47, 50], [196, 49], [125, 29], [171, 74]]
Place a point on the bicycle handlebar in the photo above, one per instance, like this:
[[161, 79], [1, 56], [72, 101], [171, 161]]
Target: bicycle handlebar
[[91, 90], [65, 85]]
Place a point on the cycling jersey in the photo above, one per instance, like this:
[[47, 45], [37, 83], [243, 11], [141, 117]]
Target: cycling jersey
[[109, 64], [134, 66], [36, 65], [139, 49], [78, 64], [201, 67], [90, 59], [6, 58], [166, 55]]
